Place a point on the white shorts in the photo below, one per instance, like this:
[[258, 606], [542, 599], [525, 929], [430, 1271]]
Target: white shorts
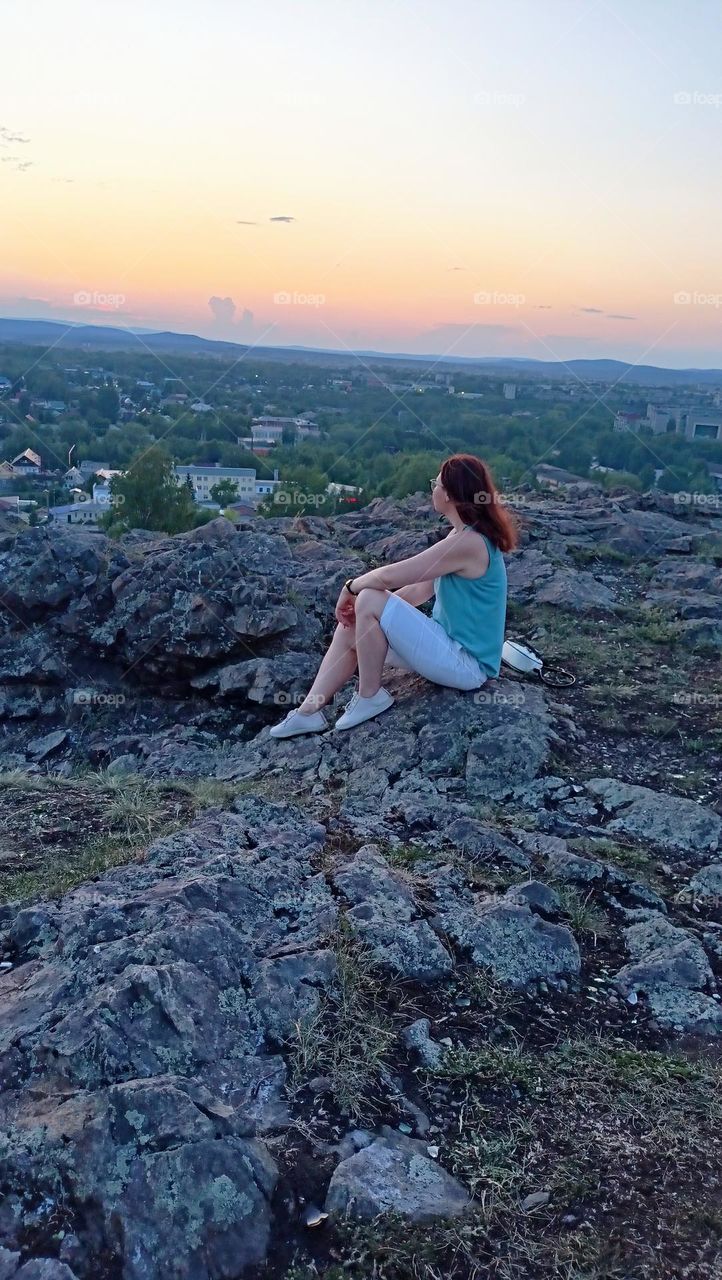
[[419, 643]]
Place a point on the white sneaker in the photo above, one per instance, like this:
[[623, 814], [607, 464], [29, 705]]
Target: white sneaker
[[360, 709], [295, 723]]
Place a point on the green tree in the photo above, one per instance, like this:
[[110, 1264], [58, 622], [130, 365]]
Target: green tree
[[108, 403], [148, 496], [224, 492]]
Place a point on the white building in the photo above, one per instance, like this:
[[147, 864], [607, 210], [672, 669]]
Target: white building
[[509, 391], [703, 425], [660, 416], [270, 429], [248, 487], [79, 512], [203, 480]]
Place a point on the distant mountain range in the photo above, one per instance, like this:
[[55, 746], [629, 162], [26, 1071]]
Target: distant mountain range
[[53, 333]]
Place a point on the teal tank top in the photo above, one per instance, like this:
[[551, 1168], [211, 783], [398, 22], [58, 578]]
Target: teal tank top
[[473, 610]]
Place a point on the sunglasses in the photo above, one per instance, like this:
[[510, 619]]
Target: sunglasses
[[433, 484]]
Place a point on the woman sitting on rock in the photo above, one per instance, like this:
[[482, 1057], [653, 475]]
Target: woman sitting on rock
[[380, 624]]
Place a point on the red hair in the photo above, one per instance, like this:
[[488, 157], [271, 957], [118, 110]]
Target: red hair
[[470, 486]]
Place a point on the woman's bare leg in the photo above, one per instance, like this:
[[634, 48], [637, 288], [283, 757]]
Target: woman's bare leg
[[371, 643], [337, 667]]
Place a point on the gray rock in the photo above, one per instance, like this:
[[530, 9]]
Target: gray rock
[[518, 946], [482, 843], [670, 967], [569, 867], [394, 1175], [40, 748], [536, 1200], [575, 590], [139, 1031], [197, 1211], [386, 917], [707, 883], [537, 896], [677, 825], [9, 1263], [44, 1269], [417, 1037]]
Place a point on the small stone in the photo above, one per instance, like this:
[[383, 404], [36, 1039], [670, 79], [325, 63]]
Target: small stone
[[405, 1128], [536, 1200]]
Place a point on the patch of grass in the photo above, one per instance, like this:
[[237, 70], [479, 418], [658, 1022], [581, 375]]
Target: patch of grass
[[349, 1039], [656, 628], [490, 1065], [471, 1248], [629, 857], [486, 992], [59, 832], [212, 793], [405, 856], [584, 916], [602, 553], [95, 858]]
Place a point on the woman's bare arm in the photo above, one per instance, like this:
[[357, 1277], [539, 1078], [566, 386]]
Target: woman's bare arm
[[416, 593], [455, 552]]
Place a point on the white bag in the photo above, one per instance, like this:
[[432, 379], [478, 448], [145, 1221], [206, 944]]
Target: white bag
[[528, 663]]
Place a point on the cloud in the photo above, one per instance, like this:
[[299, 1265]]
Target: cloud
[[592, 311], [223, 309], [612, 316], [542, 306], [62, 179], [7, 136], [241, 222], [456, 268], [18, 165], [282, 218]]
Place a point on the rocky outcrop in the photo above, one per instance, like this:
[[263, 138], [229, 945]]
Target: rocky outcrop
[[156, 1019], [139, 1044]]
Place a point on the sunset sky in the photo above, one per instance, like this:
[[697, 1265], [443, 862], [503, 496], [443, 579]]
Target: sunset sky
[[529, 178]]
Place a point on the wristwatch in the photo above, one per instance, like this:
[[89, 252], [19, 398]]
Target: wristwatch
[[347, 585]]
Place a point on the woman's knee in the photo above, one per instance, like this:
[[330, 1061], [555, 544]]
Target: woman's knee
[[371, 600]]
